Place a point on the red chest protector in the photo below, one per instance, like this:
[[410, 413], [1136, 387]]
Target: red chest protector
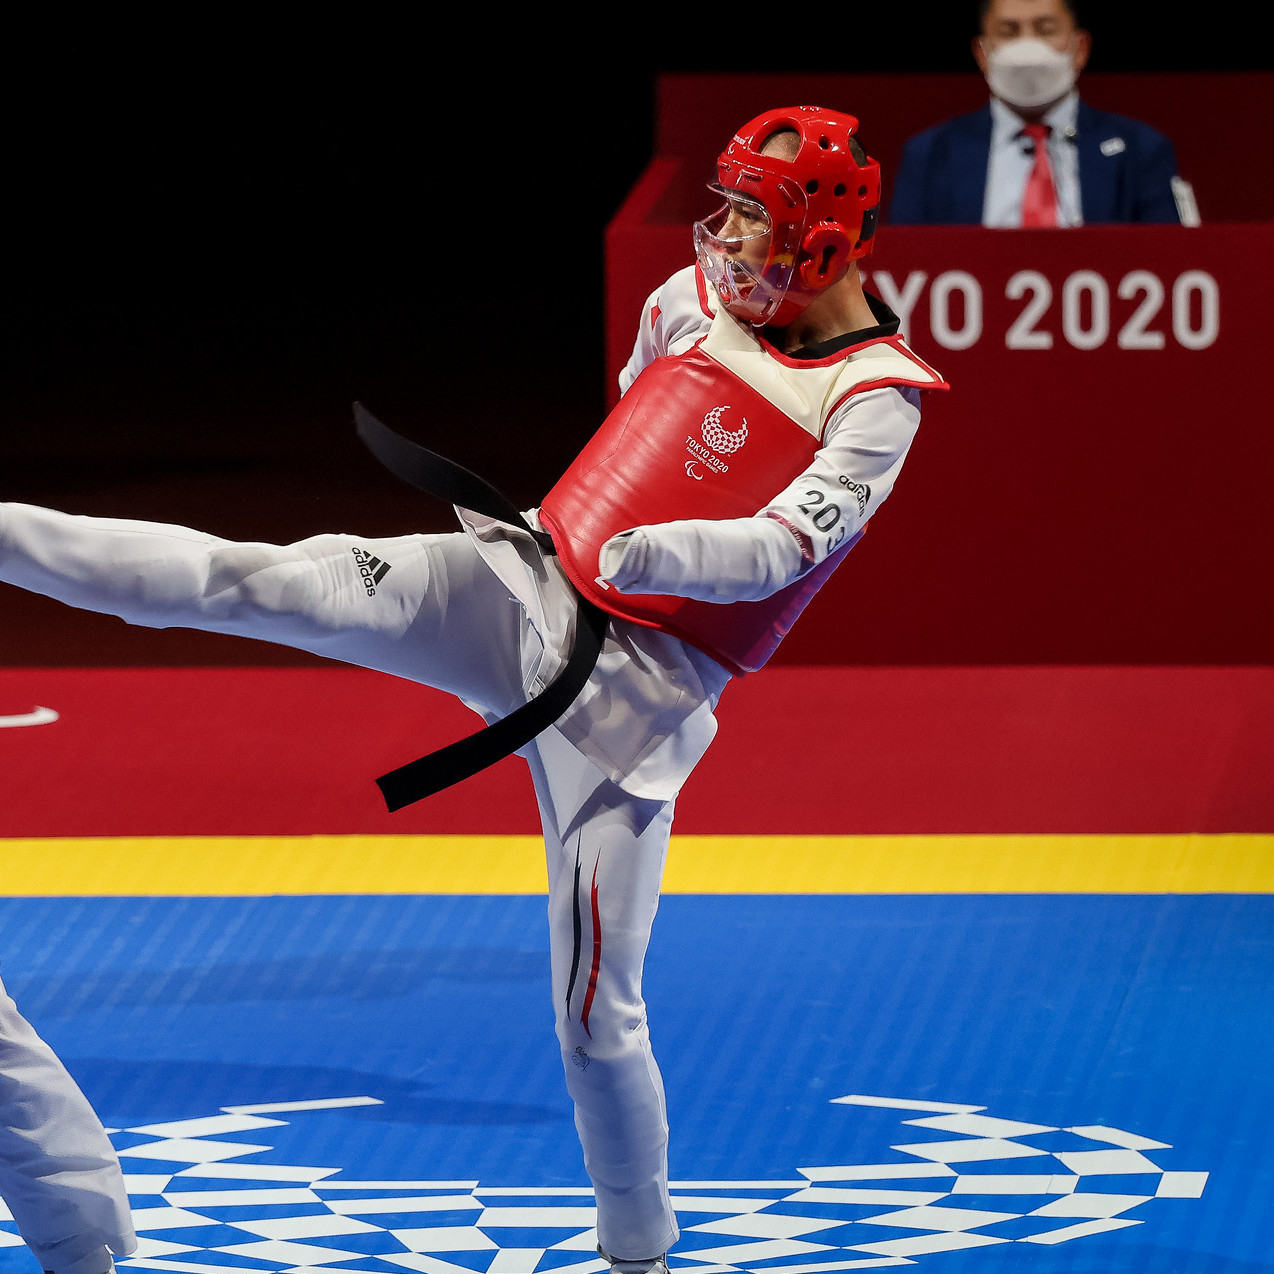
[[690, 439]]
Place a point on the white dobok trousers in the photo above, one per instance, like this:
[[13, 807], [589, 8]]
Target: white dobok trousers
[[442, 617]]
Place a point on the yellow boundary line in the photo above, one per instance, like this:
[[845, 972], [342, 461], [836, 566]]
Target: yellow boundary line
[[358, 864]]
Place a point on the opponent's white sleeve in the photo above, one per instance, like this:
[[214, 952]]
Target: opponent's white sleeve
[[671, 321], [59, 1173], [747, 559]]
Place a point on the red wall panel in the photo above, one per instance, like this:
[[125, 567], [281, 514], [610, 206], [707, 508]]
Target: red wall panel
[[1094, 488]]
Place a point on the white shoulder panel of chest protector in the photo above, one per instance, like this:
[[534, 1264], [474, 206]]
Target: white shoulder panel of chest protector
[[809, 394], [687, 306]]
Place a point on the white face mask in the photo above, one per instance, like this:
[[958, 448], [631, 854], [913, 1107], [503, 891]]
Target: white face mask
[[1029, 73]]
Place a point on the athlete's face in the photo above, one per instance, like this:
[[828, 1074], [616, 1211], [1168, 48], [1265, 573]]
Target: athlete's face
[[745, 234], [733, 250]]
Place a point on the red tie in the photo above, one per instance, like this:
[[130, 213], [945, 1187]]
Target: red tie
[[1039, 200]]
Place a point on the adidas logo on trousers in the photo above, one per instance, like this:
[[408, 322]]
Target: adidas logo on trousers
[[371, 568]]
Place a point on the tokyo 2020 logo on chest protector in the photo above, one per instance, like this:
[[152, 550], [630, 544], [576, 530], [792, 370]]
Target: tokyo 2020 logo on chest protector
[[725, 442], [720, 441]]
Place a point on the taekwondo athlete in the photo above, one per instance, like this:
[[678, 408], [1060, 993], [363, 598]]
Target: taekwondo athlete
[[769, 407]]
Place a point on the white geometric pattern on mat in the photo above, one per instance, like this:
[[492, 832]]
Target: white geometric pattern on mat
[[938, 1196]]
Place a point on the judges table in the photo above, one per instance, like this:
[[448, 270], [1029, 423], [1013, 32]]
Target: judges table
[[1094, 488]]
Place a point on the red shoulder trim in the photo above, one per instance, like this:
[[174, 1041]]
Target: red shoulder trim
[[797, 363], [702, 285], [903, 348]]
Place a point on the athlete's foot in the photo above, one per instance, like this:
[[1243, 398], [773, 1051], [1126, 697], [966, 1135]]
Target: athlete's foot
[[651, 1265]]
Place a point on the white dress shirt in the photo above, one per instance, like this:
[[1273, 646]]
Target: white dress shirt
[[1013, 156]]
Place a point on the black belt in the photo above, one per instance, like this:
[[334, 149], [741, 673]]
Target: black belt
[[449, 481]]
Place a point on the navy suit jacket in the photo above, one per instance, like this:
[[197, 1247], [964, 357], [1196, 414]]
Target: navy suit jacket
[[942, 177]]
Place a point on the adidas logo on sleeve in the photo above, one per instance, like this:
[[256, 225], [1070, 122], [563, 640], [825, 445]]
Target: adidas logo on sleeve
[[371, 569]]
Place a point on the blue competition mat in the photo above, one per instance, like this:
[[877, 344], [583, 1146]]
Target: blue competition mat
[[957, 1083]]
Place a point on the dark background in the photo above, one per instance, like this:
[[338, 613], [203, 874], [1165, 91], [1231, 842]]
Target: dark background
[[221, 233]]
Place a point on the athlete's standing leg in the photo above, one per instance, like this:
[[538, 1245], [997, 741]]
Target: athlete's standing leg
[[605, 870], [59, 1174]]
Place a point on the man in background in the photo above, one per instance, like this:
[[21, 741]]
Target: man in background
[[1037, 155]]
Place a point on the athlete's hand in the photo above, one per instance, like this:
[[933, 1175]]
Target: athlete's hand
[[622, 558]]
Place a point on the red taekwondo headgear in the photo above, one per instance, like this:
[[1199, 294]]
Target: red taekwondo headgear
[[819, 209]]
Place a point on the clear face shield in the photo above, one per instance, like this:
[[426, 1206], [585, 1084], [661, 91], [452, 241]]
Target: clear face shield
[[739, 257]]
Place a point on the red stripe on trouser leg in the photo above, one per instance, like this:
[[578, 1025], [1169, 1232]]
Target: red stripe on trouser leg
[[597, 955]]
